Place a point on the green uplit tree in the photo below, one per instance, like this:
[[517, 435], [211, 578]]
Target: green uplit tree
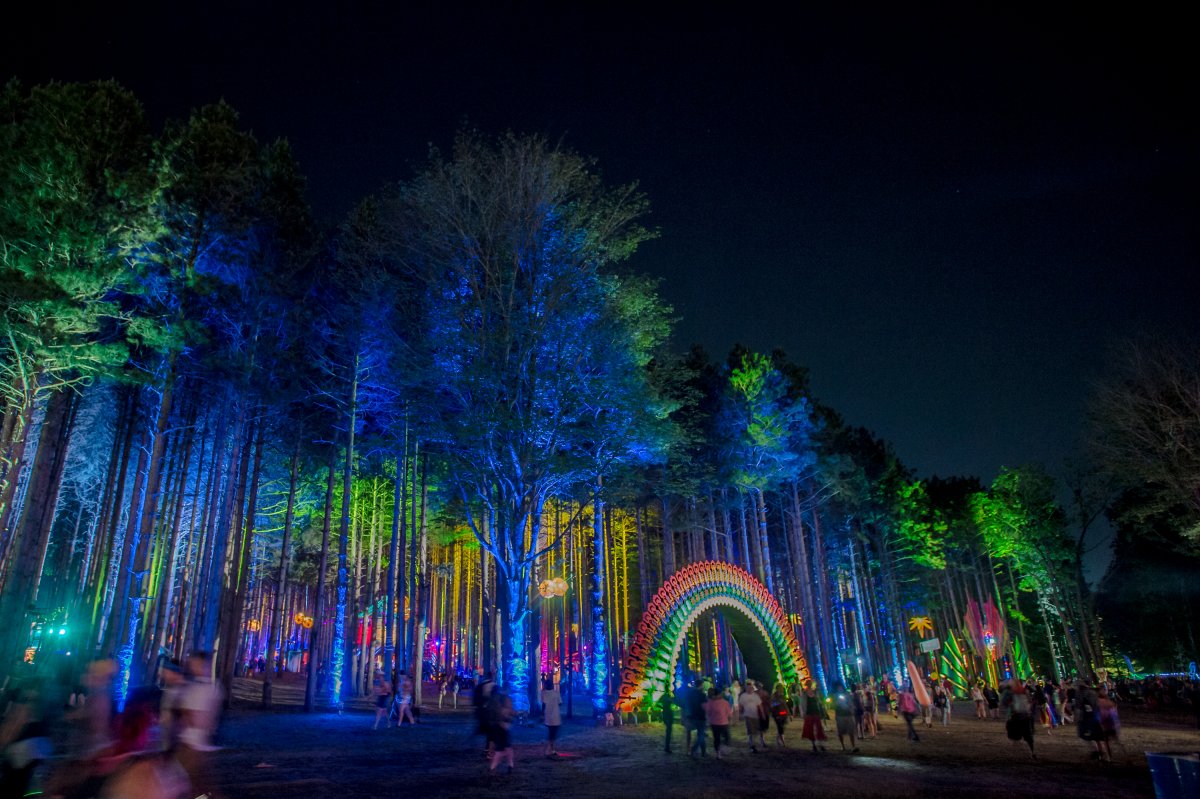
[[77, 191]]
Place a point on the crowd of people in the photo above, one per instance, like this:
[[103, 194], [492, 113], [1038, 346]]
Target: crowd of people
[[158, 745], [855, 710], [161, 742]]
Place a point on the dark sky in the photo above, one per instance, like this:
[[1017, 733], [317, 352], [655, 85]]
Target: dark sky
[[948, 218]]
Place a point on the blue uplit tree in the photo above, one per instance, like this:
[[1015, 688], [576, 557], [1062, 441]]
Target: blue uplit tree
[[523, 347]]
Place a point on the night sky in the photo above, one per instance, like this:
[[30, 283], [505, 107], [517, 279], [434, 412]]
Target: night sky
[[948, 218]]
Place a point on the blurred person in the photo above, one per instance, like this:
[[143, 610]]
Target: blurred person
[[1087, 718], [697, 718], [1110, 722], [796, 698], [481, 694], [888, 696], [681, 702], [843, 717], [992, 697], [500, 717], [1018, 724], [666, 704], [24, 741], [859, 706], [199, 709], [98, 710], [173, 683], [735, 692], [764, 713]]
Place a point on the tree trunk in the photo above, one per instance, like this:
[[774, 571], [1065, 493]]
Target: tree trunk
[[764, 545], [276, 642], [394, 566], [668, 541], [148, 512], [31, 537], [338, 660], [319, 602], [599, 659]]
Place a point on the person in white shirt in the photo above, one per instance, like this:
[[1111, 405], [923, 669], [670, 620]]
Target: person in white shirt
[[750, 706], [552, 705]]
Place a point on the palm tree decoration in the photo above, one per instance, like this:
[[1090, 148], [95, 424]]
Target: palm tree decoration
[[920, 625]]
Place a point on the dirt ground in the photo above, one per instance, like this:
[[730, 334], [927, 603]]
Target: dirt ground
[[286, 753]]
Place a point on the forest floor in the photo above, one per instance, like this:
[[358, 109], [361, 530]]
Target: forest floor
[[286, 753]]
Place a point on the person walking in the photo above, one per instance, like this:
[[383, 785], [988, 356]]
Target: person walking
[[383, 692], [404, 701], [480, 696], [844, 718], [667, 705], [907, 706], [814, 729], [551, 714], [1110, 723], [992, 698], [796, 698], [980, 702], [1053, 717], [941, 701], [697, 718], [500, 716], [1019, 709], [764, 710], [1087, 717], [735, 693], [860, 708], [870, 711], [681, 701], [750, 706], [717, 713], [781, 712], [927, 710], [890, 697]]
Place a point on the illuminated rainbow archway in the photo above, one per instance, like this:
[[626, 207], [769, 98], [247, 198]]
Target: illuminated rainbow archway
[[758, 624]]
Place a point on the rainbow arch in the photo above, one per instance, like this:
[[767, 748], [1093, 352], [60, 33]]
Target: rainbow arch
[[758, 623]]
